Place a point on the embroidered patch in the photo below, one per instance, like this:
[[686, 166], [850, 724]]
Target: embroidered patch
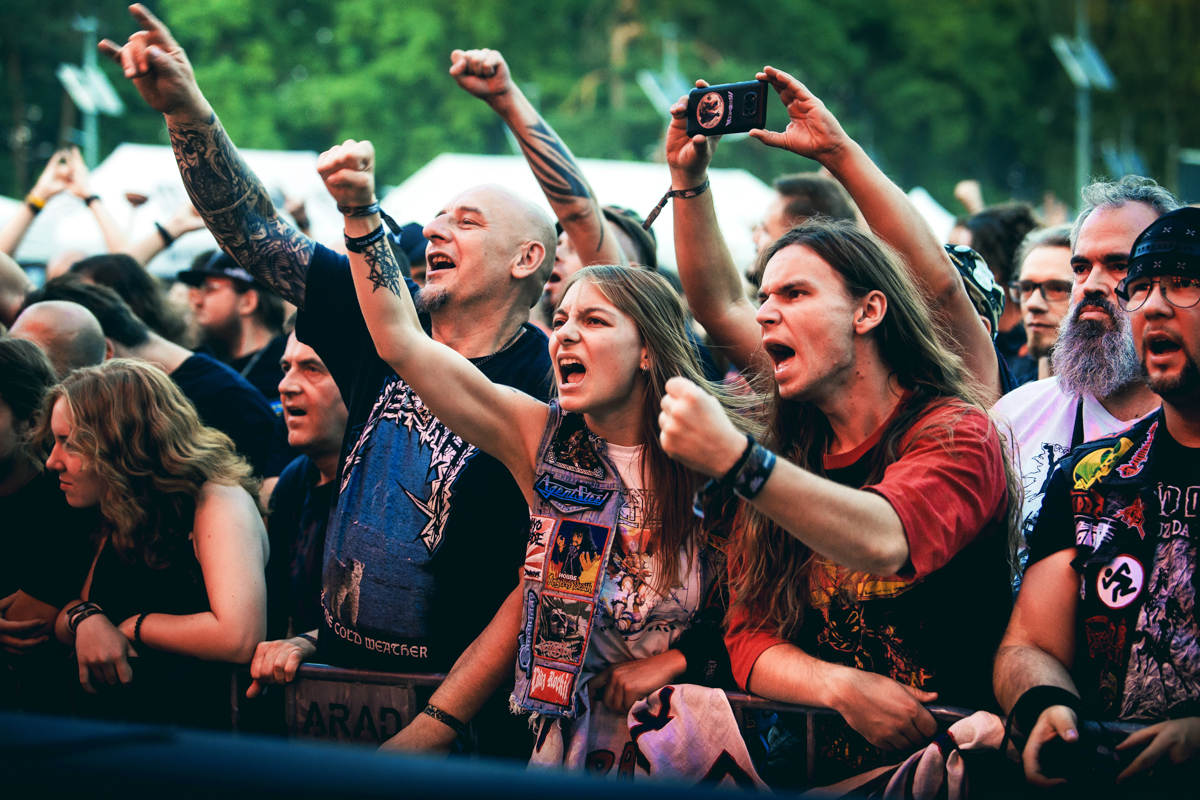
[[1120, 582], [525, 639], [570, 497], [574, 565], [1098, 463], [1138, 460], [574, 448], [552, 686], [540, 529], [1133, 515], [562, 629]]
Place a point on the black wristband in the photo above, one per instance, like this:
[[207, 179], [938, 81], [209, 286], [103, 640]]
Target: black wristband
[[360, 211], [684, 194], [359, 244], [137, 628], [91, 198], [449, 721], [754, 473], [166, 237], [1033, 702], [728, 478], [306, 637], [79, 613]]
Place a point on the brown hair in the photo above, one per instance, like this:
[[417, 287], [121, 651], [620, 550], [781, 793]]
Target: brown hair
[[655, 308], [770, 576], [26, 374], [146, 441]]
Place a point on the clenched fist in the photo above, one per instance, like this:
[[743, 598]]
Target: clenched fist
[[348, 170], [695, 430], [483, 73]]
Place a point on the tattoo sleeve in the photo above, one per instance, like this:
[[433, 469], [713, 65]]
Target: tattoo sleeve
[[238, 210], [383, 270], [556, 171]]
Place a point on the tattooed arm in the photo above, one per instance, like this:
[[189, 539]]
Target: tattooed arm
[[484, 74], [481, 412], [232, 200]]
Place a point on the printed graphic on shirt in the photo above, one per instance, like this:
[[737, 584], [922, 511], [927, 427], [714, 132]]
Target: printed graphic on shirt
[[1034, 479], [562, 629], [831, 582], [574, 448], [575, 557], [552, 686], [540, 529], [1120, 582]]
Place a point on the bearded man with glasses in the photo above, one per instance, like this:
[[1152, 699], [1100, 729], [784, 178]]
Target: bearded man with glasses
[[1097, 388]]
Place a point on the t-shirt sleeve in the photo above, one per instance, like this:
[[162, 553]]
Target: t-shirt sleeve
[[946, 486], [745, 645], [1054, 530]]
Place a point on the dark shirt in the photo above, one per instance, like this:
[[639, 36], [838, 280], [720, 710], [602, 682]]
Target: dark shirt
[[427, 533], [1011, 347], [261, 368], [296, 529], [45, 544], [226, 401]]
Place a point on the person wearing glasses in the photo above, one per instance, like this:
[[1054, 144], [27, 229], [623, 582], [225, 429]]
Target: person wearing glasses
[[1097, 387], [1105, 627], [1043, 290]]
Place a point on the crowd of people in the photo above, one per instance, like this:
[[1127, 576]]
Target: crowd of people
[[869, 472]]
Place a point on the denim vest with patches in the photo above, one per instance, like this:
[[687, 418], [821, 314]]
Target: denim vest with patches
[[571, 535]]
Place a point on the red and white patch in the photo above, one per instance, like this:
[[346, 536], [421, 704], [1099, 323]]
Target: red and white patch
[[1120, 581], [552, 686], [540, 529]]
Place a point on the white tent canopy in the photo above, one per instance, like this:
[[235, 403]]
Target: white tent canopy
[[740, 197], [150, 170]]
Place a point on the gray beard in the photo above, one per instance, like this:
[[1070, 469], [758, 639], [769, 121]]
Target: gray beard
[[431, 299], [1090, 358]]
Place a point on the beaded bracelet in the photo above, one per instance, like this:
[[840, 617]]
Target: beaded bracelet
[[137, 628]]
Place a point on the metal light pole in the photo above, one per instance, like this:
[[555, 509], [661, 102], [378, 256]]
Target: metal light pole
[[90, 90], [91, 129], [1087, 70]]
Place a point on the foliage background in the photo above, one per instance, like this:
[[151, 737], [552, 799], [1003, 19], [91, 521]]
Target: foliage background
[[937, 90]]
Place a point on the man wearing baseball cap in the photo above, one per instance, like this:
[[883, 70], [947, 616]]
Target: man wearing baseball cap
[[1105, 626], [240, 321]]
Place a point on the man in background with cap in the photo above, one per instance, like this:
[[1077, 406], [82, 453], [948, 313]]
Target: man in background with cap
[[1097, 388], [1105, 626], [240, 322]]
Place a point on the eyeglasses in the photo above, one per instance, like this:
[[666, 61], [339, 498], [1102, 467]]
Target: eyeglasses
[[1052, 291], [1179, 291]]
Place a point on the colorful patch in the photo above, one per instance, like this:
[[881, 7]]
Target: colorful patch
[[574, 448], [1098, 463], [525, 639], [562, 629], [552, 686], [1120, 582], [1134, 515], [1138, 460], [1086, 503], [540, 529], [570, 497], [575, 557]]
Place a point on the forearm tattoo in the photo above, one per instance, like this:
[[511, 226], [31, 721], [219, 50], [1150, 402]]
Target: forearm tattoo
[[238, 210], [383, 269], [556, 170]]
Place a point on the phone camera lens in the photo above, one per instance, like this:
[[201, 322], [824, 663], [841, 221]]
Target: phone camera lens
[[750, 103]]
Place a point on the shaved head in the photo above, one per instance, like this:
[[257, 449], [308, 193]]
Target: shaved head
[[526, 221], [68, 333]]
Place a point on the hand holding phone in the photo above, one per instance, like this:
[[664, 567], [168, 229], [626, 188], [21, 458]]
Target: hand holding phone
[[728, 108]]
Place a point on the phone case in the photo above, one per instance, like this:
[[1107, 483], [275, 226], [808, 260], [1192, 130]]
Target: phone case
[[728, 108]]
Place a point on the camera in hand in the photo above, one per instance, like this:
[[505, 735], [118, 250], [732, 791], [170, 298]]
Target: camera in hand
[[728, 108]]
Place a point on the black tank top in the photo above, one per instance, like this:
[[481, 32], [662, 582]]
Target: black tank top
[[125, 590]]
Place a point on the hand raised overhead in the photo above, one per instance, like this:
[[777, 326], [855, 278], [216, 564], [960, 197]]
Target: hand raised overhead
[[812, 131], [483, 73], [687, 156], [348, 170], [158, 67]]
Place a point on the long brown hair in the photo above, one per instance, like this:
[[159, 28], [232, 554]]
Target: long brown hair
[[145, 440], [771, 569], [649, 300]]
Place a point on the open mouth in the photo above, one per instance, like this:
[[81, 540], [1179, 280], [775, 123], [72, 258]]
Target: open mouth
[[779, 354], [438, 261], [295, 411], [571, 371], [1160, 344]]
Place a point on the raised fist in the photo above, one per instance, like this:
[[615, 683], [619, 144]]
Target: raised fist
[[348, 170], [158, 67], [483, 73], [695, 430]]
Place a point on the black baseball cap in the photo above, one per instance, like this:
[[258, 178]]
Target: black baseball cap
[[219, 266], [629, 222], [1170, 246], [412, 241]]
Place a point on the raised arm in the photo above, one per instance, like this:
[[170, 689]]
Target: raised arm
[[80, 186], [232, 200], [710, 280], [497, 419], [813, 132], [53, 180], [185, 220], [484, 74]]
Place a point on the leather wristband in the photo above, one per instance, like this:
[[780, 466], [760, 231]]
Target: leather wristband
[[137, 628], [306, 637], [91, 198], [356, 244], [79, 613], [1033, 702], [448, 720]]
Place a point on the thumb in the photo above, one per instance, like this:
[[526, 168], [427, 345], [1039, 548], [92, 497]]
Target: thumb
[[921, 696], [5, 602], [1062, 719], [162, 63], [254, 690], [769, 138]]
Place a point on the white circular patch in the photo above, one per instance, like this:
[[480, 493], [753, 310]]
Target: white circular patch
[[1120, 581]]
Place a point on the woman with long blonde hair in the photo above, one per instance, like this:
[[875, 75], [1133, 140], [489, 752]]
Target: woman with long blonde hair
[[177, 578]]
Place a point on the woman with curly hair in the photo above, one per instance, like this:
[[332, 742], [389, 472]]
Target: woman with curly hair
[[177, 578]]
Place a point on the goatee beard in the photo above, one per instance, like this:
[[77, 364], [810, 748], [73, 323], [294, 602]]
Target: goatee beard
[[431, 299], [1092, 357]]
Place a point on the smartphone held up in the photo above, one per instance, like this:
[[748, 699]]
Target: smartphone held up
[[728, 108]]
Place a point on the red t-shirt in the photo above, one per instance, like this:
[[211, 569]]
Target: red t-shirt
[[951, 605]]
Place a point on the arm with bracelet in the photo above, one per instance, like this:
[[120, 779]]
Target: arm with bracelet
[[52, 181], [80, 186]]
